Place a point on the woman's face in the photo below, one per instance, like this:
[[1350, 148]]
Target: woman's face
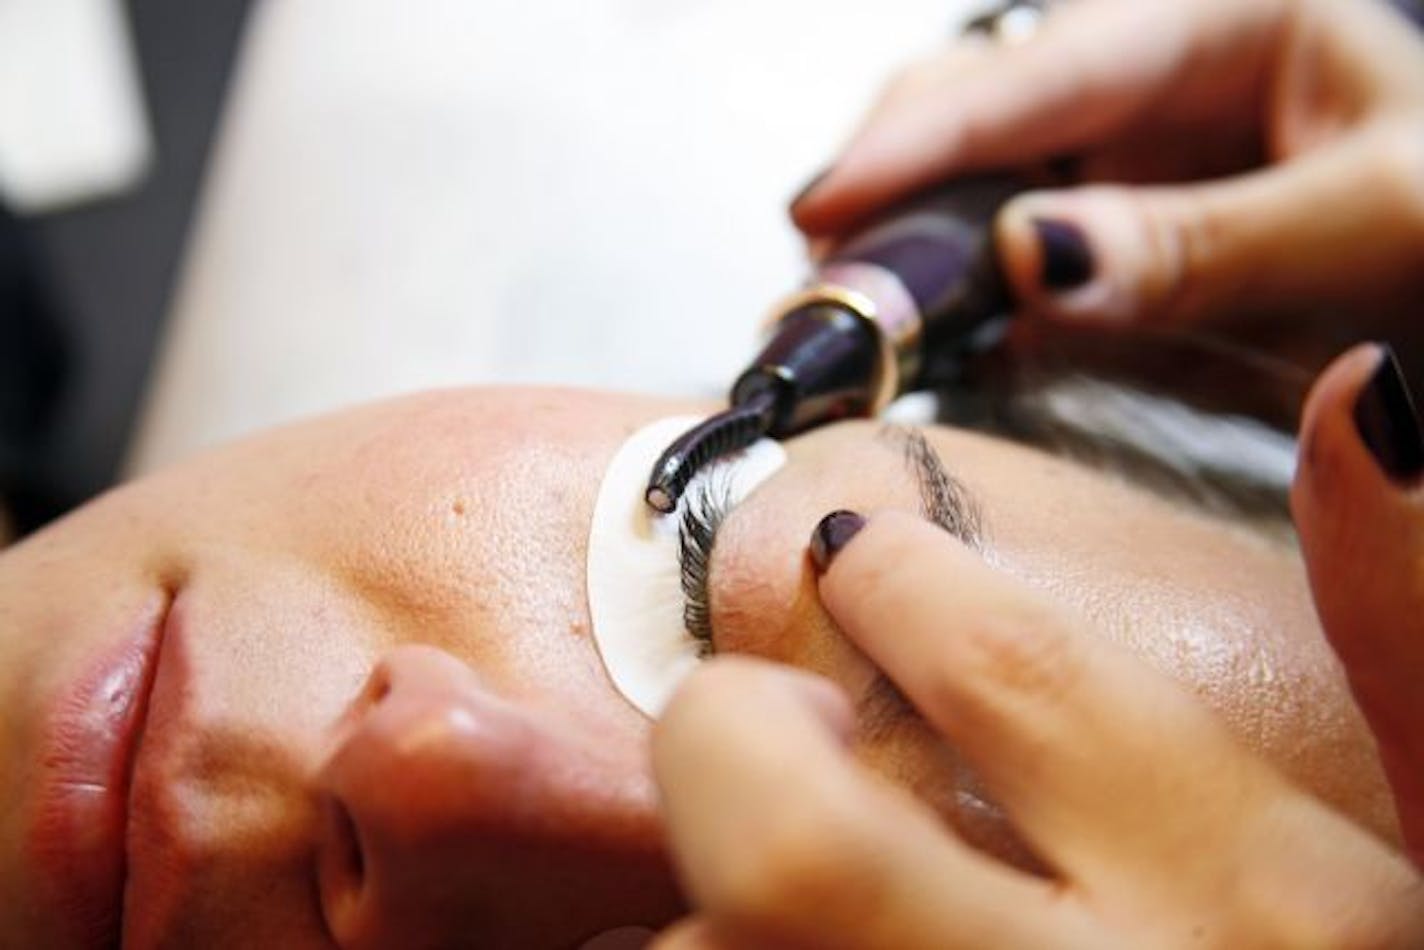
[[337, 683]]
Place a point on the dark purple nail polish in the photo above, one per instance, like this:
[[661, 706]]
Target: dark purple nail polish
[[832, 533], [1387, 421], [1067, 259], [809, 187]]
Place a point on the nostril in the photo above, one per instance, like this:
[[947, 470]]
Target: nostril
[[349, 859], [372, 693], [341, 870], [378, 687]]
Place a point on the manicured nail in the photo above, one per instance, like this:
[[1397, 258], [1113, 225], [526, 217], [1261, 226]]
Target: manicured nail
[[809, 187], [1387, 422], [832, 533], [1067, 259]]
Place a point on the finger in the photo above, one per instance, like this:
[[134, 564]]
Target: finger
[[991, 107], [778, 833], [1338, 224], [1097, 758], [1358, 504]]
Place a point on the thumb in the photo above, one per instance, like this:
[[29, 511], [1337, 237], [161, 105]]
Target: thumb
[[1358, 502], [1326, 227]]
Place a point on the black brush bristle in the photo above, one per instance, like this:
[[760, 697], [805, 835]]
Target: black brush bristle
[[726, 432]]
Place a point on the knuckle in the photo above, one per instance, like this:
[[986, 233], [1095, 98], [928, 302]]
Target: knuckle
[[1019, 652], [1182, 238]]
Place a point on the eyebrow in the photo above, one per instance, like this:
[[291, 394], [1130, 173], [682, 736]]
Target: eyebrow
[[944, 500]]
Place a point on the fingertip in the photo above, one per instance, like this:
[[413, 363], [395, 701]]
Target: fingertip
[[832, 533], [888, 558], [1361, 454], [1388, 422], [885, 162], [1360, 515], [1360, 525], [838, 201], [1020, 255], [803, 205], [1052, 254], [1334, 453], [842, 196]]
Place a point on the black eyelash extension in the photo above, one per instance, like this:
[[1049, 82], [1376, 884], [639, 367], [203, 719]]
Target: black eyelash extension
[[704, 508]]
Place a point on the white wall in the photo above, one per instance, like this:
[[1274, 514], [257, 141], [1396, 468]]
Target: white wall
[[592, 192]]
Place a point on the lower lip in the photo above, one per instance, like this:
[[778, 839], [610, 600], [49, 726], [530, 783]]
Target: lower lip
[[76, 843]]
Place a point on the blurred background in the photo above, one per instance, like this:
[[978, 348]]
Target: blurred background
[[107, 113], [216, 217]]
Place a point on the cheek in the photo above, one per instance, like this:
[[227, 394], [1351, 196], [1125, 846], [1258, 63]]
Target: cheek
[[1230, 619]]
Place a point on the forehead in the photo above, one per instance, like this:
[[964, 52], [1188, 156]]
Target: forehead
[[1210, 600]]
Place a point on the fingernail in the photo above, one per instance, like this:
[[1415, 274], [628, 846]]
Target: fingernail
[[1387, 422], [809, 187], [1067, 259], [832, 533]]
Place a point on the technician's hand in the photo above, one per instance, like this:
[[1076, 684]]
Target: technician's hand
[[1358, 503], [783, 840], [1277, 148]]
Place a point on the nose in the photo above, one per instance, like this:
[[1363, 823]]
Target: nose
[[455, 817]]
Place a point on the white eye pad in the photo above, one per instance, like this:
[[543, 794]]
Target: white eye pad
[[634, 585]]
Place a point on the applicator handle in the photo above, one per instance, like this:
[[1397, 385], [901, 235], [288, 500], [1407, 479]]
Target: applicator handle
[[894, 308]]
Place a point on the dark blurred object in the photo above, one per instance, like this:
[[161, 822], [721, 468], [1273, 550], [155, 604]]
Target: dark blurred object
[[114, 262], [1414, 9], [1213, 374], [35, 364]]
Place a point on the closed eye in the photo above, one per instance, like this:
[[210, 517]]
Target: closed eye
[[708, 502], [943, 501]]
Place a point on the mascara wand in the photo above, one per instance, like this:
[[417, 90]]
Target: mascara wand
[[726, 432], [820, 365], [897, 308], [900, 306]]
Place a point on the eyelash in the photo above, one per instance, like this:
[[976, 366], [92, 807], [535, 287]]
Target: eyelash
[[707, 503]]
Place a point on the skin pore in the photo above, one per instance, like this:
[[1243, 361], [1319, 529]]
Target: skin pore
[[378, 716]]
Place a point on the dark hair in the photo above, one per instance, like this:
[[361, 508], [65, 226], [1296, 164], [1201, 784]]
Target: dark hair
[[1188, 418]]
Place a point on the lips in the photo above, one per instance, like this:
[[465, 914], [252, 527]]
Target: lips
[[76, 841]]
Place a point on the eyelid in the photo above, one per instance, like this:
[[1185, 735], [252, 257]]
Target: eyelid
[[710, 498]]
